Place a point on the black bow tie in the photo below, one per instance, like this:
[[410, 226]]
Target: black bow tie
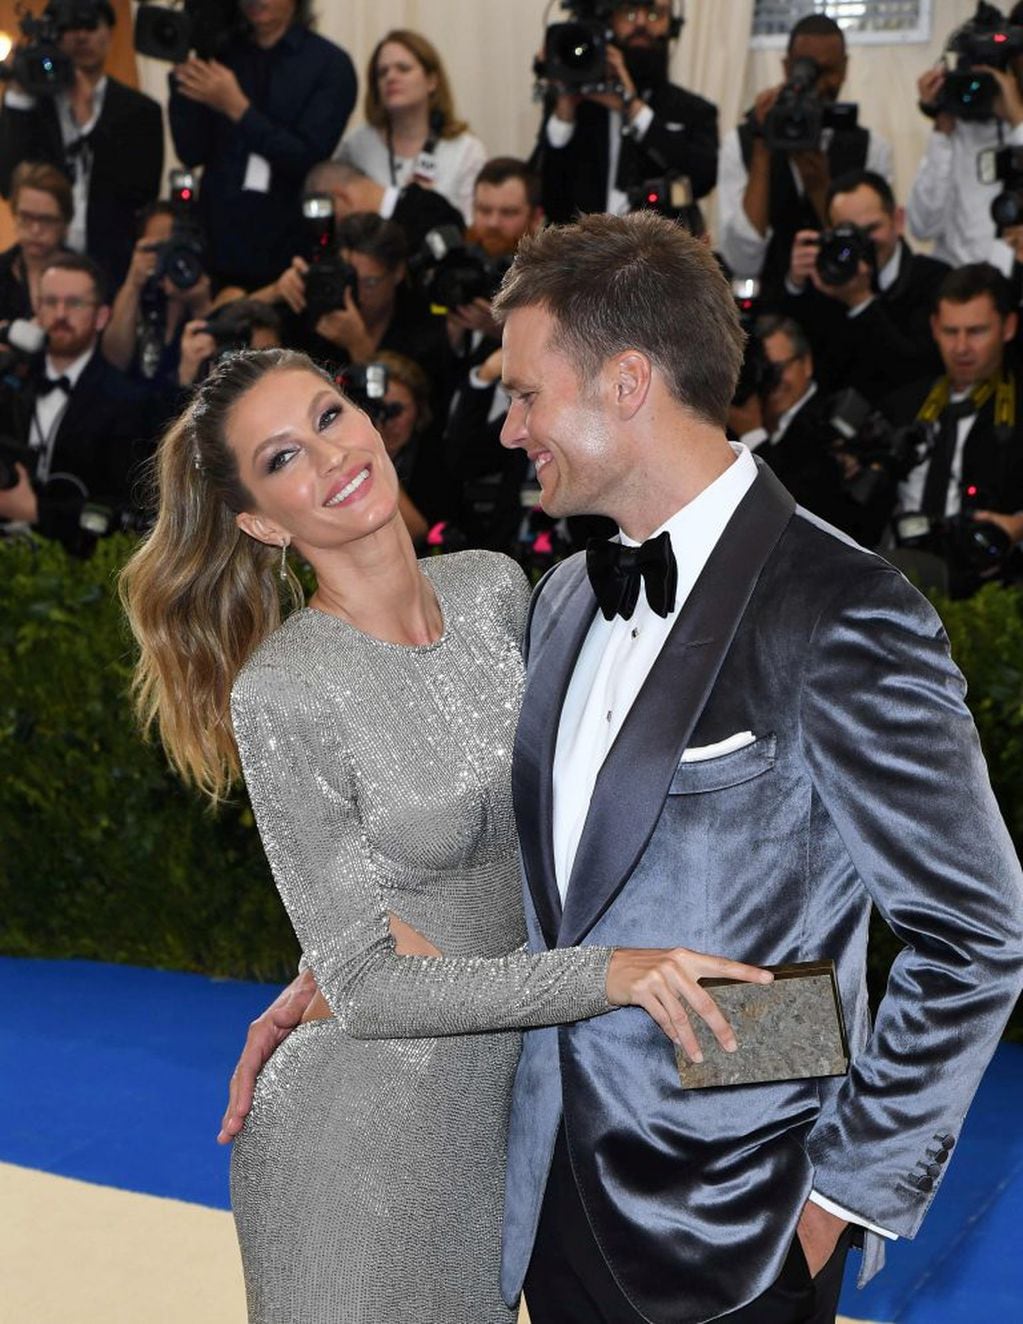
[[615, 571], [47, 384]]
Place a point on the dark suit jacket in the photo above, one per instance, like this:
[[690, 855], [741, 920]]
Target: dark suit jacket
[[683, 137], [302, 91], [420, 210], [127, 165], [993, 464], [104, 436], [864, 784], [885, 346], [805, 463]]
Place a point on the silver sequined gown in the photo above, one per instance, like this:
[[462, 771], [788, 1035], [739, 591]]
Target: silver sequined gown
[[367, 1185]]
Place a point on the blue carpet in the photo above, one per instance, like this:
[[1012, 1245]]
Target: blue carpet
[[117, 1075]]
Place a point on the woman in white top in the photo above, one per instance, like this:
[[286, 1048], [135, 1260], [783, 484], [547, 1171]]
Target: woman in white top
[[412, 134]]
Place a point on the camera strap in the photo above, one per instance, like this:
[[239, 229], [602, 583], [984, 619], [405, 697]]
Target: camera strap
[[1002, 387]]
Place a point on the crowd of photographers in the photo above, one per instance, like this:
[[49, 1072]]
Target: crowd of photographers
[[880, 384]]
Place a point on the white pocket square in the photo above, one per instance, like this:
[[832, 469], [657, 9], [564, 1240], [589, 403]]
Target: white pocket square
[[697, 753]]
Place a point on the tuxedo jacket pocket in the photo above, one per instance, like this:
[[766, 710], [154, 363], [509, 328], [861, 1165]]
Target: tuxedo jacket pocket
[[742, 765]]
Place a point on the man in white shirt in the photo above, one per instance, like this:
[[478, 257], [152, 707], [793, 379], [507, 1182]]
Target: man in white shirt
[[758, 733]]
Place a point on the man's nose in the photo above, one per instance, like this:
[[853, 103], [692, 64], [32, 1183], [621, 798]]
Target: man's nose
[[513, 432]]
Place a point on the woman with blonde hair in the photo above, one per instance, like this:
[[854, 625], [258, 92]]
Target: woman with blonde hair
[[374, 727], [412, 133]]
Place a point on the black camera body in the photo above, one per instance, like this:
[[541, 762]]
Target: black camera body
[[1004, 165], [365, 384], [575, 51], [326, 282], [757, 375], [671, 196], [841, 250], [985, 40], [38, 64], [449, 272], [203, 26], [180, 258], [885, 455], [798, 118]]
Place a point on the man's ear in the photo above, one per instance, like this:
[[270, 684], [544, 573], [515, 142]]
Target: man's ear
[[262, 529], [102, 316], [632, 376]]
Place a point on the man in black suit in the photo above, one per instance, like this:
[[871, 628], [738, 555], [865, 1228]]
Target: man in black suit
[[108, 139], [83, 423], [594, 148], [975, 463], [871, 332]]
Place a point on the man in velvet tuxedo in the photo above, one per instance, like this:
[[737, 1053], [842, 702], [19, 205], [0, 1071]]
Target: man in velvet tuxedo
[[755, 736]]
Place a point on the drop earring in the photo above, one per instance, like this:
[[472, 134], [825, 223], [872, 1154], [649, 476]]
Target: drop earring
[[284, 562]]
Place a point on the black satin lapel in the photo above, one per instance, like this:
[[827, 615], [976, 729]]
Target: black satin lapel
[[633, 782], [552, 654]]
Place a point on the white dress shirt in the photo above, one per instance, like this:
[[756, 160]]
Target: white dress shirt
[[615, 659], [457, 161], [950, 205], [50, 409], [741, 244], [560, 133], [911, 489]]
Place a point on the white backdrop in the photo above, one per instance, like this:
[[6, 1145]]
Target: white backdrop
[[488, 48]]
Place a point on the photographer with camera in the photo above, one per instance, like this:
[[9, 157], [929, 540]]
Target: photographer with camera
[[257, 119], [974, 109], [964, 496], [784, 420], [597, 144], [106, 137], [239, 325], [144, 334], [861, 294], [776, 166], [41, 205], [75, 430]]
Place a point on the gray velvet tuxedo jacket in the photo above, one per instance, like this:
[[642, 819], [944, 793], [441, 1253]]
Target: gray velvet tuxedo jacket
[[865, 785]]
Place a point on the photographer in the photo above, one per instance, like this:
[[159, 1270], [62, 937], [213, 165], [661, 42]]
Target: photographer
[[240, 324], [416, 209], [785, 422], [947, 202], [767, 195], [861, 294], [973, 468], [106, 137], [77, 426], [258, 119], [595, 146], [41, 206], [143, 335]]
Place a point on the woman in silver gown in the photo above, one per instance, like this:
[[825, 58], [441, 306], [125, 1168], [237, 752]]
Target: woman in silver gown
[[375, 730]]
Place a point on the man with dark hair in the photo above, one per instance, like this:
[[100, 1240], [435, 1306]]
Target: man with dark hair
[[42, 208], [948, 204], [739, 731], [257, 119], [872, 330], [594, 147], [975, 463], [107, 137], [82, 426], [766, 197]]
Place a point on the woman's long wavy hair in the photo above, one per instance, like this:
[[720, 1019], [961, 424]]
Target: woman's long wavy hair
[[201, 595], [442, 103]]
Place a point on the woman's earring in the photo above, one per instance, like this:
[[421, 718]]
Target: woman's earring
[[284, 561]]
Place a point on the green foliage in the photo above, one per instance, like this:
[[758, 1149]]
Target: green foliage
[[105, 854]]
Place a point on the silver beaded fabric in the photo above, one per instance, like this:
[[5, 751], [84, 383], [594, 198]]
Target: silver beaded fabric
[[367, 1184]]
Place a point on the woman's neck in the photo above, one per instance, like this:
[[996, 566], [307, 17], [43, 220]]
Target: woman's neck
[[376, 585], [410, 128]]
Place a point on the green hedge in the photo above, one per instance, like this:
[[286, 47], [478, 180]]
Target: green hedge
[[104, 855]]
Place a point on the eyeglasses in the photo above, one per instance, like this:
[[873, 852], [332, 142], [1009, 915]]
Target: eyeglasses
[[31, 220], [371, 282], [74, 303], [650, 14]]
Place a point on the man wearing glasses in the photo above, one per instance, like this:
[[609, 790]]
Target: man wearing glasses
[[41, 205], [78, 424], [595, 147]]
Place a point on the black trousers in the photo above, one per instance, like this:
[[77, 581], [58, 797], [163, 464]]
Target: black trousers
[[569, 1282]]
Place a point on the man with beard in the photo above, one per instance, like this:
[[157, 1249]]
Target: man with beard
[[107, 137], [79, 423], [767, 197], [595, 147]]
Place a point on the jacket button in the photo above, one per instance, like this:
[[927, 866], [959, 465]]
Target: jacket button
[[949, 1142], [924, 1184], [933, 1170]]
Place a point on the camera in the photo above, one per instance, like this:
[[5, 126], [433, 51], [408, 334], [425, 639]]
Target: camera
[[884, 455], [329, 275], [1003, 165], [575, 52], [365, 384], [39, 65], [798, 118], [841, 251], [985, 40], [180, 258], [959, 552], [670, 196], [170, 33], [449, 272], [758, 375]]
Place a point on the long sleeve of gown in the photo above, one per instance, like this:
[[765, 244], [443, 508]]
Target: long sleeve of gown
[[328, 876]]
